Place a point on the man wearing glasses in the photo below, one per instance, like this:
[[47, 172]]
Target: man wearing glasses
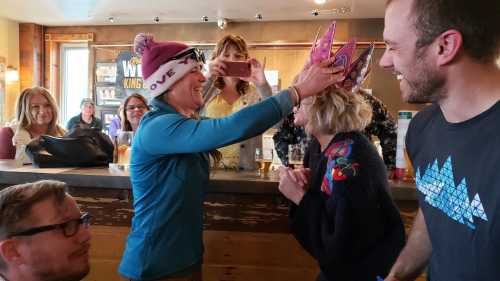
[[43, 234]]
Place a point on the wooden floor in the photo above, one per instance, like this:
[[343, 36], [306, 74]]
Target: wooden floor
[[230, 255]]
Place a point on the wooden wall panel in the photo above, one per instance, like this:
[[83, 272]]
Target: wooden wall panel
[[31, 54], [287, 61]]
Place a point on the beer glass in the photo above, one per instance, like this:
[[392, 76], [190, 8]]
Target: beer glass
[[123, 146], [295, 155]]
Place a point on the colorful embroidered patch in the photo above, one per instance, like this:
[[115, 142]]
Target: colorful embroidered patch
[[338, 167]]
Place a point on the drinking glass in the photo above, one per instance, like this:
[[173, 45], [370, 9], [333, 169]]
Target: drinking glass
[[258, 161], [295, 155], [123, 146]]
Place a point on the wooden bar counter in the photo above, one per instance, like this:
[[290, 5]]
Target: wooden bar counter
[[246, 221], [220, 181]]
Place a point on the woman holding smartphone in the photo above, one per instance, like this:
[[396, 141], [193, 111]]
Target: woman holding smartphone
[[230, 87]]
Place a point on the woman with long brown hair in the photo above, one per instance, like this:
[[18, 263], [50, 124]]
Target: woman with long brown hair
[[134, 107]]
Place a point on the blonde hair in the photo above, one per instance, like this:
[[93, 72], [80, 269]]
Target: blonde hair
[[239, 43], [23, 114], [337, 111]]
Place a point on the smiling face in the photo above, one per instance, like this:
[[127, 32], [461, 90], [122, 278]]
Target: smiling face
[[49, 255], [88, 109], [40, 109], [415, 68], [134, 110], [185, 95]]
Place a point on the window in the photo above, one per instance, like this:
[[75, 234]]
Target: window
[[74, 79]]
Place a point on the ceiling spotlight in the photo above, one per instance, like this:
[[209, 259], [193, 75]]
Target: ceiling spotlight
[[156, 19], [320, 2], [315, 13], [204, 18], [258, 16], [222, 23], [111, 19]]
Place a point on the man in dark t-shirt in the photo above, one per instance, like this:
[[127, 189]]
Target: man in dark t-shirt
[[444, 52], [456, 174]]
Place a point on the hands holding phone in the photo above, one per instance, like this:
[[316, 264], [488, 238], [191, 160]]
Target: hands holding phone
[[250, 70]]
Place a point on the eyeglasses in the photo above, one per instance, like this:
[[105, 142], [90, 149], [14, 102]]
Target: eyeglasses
[[69, 228], [193, 53], [133, 107]]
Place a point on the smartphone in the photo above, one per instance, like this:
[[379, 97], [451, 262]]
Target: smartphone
[[237, 68]]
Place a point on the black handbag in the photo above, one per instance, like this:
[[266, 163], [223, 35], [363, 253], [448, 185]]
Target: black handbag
[[80, 147]]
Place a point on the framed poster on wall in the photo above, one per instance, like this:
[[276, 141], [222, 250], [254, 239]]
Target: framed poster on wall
[[106, 95], [105, 72]]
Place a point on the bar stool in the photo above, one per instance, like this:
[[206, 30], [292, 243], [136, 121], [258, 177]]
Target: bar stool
[[7, 150]]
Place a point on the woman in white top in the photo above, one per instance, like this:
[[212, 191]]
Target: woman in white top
[[36, 115]]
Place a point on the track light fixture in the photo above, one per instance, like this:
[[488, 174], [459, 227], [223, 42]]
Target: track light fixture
[[222, 23]]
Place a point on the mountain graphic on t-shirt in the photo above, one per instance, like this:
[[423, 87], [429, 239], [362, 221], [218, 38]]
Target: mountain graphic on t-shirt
[[440, 191]]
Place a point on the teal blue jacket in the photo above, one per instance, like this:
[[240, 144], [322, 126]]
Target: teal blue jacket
[[169, 173]]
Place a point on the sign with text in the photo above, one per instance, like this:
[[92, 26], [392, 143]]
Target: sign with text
[[129, 74]]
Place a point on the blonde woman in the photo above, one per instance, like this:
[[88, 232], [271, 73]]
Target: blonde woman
[[225, 95], [342, 213], [36, 115]]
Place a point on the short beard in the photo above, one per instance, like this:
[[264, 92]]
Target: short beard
[[429, 86]]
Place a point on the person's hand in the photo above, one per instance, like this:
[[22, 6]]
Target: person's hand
[[256, 73], [391, 278], [293, 183], [216, 68], [315, 78], [301, 175]]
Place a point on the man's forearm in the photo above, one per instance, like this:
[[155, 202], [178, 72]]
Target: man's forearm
[[414, 257]]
